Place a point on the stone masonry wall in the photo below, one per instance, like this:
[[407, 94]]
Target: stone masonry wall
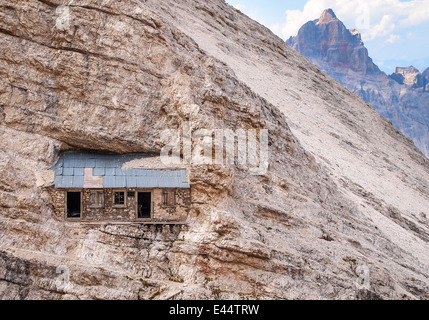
[[109, 211], [160, 213], [178, 212]]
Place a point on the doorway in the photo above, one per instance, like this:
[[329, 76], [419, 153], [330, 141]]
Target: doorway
[[73, 204], [144, 201]]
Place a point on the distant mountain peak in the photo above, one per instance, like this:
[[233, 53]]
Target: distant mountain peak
[[328, 41], [341, 53], [410, 69], [356, 33], [327, 16], [409, 76]]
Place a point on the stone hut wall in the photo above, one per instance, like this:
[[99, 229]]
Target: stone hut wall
[[160, 213], [109, 212]]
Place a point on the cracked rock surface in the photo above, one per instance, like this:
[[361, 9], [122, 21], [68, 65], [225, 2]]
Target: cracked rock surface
[[344, 191]]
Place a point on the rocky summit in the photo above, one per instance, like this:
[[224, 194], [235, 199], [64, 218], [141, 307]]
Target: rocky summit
[[327, 40], [341, 211], [402, 97]]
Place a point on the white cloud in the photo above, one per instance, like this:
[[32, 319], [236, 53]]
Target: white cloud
[[373, 18], [393, 38], [240, 7], [384, 28], [252, 12]]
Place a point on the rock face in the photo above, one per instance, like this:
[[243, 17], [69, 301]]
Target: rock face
[[328, 40], [341, 53], [425, 76], [409, 76], [340, 213]]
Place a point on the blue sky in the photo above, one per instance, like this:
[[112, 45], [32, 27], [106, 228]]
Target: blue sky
[[394, 31]]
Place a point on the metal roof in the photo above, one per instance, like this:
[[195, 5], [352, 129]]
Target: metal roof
[[92, 170]]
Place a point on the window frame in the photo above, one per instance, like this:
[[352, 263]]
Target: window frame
[[124, 205], [98, 205], [66, 216], [171, 198]]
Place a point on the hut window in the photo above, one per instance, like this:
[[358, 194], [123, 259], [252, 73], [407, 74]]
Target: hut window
[[119, 198], [169, 198], [97, 199]]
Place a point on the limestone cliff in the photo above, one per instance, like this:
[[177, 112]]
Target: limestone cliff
[[341, 54], [328, 40], [425, 75], [409, 76], [345, 192]]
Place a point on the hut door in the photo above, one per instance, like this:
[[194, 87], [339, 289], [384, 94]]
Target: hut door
[[73, 204], [144, 200]]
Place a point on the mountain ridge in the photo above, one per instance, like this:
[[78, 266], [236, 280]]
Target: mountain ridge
[[341, 53]]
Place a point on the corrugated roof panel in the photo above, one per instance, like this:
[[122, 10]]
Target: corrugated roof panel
[[150, 182], [110, 163], [110, 171], [69, 171], [141, 173], [126, 172], [67, 182], [89, 163], [78, 182], [119, 172], [109, 182], [118, 163], [78, 171], [120, 182], [137, 172], [163, 174], [79, 163], [163, 182], [100, 163], [131, 181], [99, 171], [170, 181], [68, 162], [179, 181], [176, 181], [60, 162], [140, 182], [58, 181]]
